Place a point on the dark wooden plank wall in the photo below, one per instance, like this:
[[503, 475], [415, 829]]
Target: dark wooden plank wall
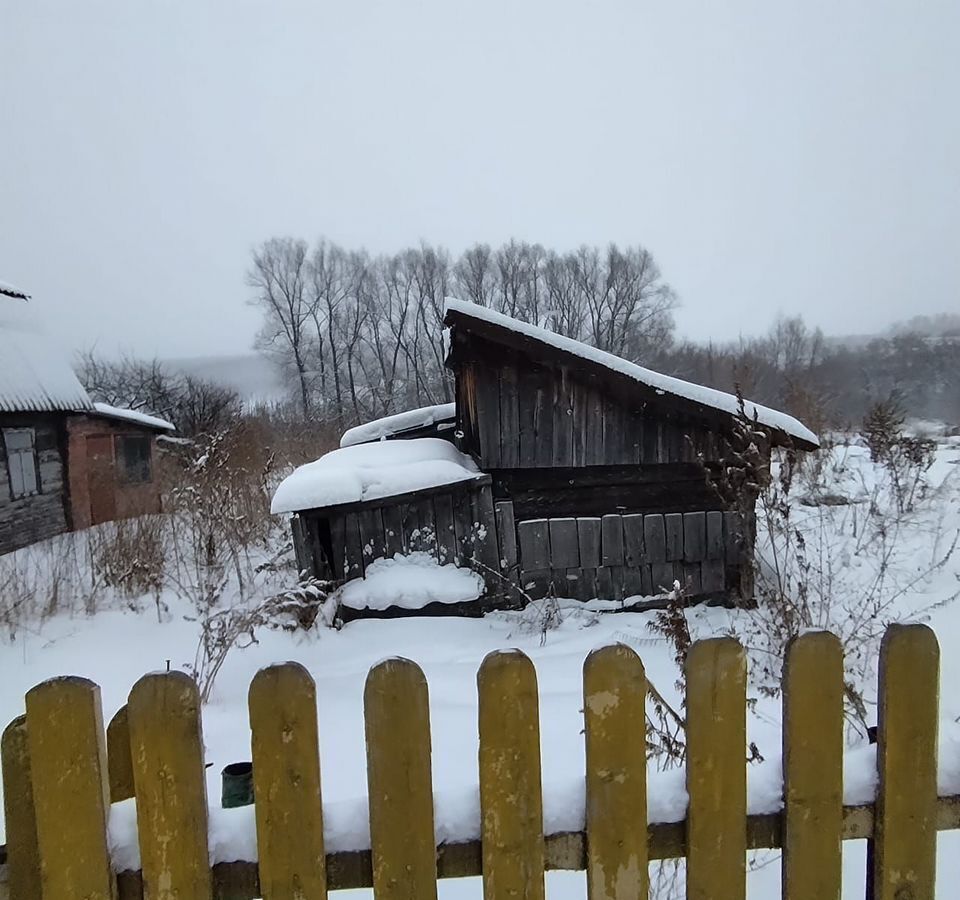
[[517, 414], [457, 525], [620, 556]]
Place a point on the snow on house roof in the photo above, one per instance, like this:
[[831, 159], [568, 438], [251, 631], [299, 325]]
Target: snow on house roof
[[35, 374], [8, 290], [372, 472], [397, 424], [132, 415], [662, 384]]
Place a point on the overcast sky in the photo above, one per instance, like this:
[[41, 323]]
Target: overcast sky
[[774, 157]]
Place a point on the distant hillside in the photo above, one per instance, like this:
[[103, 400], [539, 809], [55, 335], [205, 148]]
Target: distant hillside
[[249, 374]]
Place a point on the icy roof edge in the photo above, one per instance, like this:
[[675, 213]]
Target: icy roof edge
[[387, 426], [9, 290], [131, 415], [705, 396]]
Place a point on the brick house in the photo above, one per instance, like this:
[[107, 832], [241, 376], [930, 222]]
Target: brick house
[[65, 461]]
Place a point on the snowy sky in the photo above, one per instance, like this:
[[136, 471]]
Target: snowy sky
[[773, 156]]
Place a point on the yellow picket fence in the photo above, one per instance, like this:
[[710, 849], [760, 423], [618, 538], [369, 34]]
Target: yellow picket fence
[[61, 770]]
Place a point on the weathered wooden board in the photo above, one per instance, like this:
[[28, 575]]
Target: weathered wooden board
[[714, 534], [673, 526], [564, 544], [353, 546], [712, 576], [544, 412], [509, 418], [528, 400], [446, 534], [371, 534], [633, 539], [534, 545], [392, 519], [595, 453], [506, 534], [580, 422], [611, 540], [694, 536], [588, 533], [487, 390], [563, 420], [691, 580], [654, 539]]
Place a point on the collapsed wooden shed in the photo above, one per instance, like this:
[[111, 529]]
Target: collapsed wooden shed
[[596, 473]]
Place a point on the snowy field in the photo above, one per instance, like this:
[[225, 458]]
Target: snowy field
[[918, 579]]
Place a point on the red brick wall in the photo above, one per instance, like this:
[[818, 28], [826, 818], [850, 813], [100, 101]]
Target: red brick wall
[[130, 499]]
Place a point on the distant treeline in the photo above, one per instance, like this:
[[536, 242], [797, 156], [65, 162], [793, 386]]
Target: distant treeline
[[359, 336]]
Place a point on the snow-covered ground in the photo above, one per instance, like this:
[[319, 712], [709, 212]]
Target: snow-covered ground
[[116, 646]]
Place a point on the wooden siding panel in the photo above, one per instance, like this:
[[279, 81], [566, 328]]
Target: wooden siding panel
[[611, 540], [534, 545], [588, 534], [673, 525], [509, 418], [488, 416], [564, 544]]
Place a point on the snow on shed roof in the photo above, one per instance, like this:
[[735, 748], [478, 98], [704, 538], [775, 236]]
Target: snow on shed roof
[[133, 416], [372, 472], [662, 384], [35, 374], [397, 424]]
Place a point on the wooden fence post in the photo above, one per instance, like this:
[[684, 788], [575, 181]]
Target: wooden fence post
[[399, 779], [23, 854], [119, 762], [68, 767], [905, 823], [812, 767], [614, 693], [716, 770], [166, 745], [286, 779], [511, 795]]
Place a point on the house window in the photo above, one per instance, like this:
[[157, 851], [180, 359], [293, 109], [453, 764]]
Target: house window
[[133, 458], [21, 462]]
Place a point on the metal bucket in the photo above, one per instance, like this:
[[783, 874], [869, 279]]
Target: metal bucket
[[237, 785]]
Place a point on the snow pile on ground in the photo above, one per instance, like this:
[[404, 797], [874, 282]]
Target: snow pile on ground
[[396, 424], [411, 582], [132, 415], [373, 471], [662, 383]]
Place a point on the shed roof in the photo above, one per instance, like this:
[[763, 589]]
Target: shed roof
[[133, 416], [398, 424], [374, 471], [35, 374], [522, 335]]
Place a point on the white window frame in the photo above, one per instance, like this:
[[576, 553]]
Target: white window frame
[[23, 473]]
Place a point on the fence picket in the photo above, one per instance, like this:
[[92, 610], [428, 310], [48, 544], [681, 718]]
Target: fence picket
[[399, 779], [905, 829], [614, 693], [166, 745], [23, 854], [812, 767], [716, 770], [119, 761], [68, 766], [511, 799], [286, 783]]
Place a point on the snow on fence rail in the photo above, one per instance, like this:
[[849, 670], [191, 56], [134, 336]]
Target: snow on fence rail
[[61, 771]]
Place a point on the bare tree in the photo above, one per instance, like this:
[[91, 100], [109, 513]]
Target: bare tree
[[278, 275]]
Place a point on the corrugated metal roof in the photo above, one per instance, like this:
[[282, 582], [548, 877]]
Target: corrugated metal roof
[[35, 374]]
